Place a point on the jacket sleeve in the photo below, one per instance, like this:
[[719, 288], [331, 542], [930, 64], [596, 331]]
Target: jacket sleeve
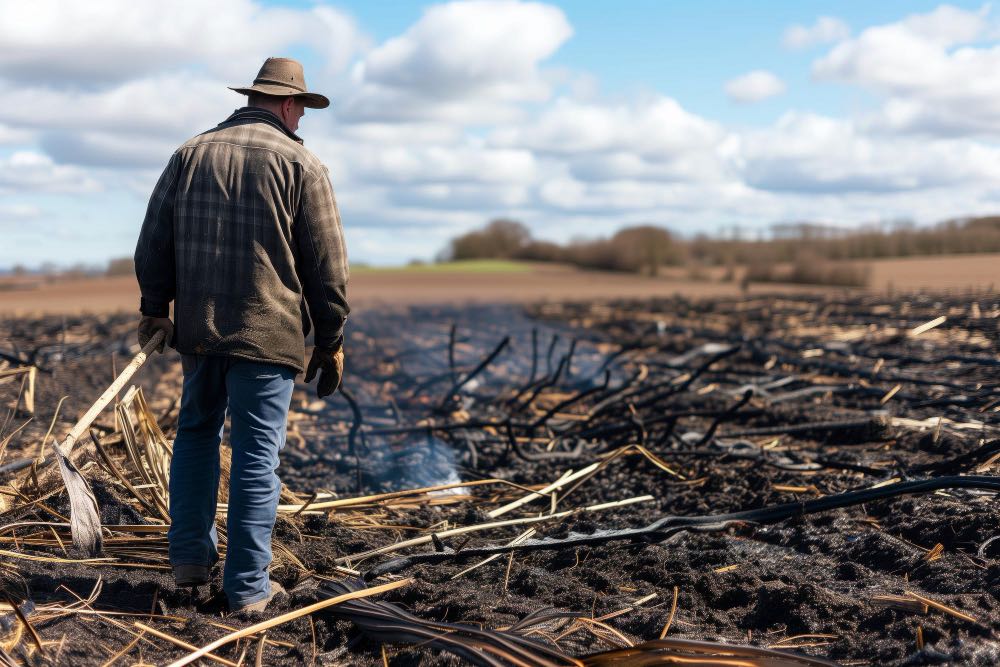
[[154, 252], [322, 259]]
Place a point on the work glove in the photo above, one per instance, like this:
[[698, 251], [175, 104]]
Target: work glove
[[330, 363], [150, 325]]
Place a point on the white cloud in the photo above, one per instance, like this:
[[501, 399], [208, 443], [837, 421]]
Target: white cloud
[[948, 25], [27, 172], [463, 47], [654, 126], [80, 43], [107, 149], [461, 196], [429, 164], [651, 139], [754, 86], [621, 196], [166, 105], [396, 134], [462, 117], [121, 83], [906, 55], [19, 212], [826, 29], [806, 153], [462, 61], [935, 76], [383, 180], [136, 123], [14, 136]]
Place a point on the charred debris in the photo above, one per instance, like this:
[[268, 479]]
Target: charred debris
[[784, 480]]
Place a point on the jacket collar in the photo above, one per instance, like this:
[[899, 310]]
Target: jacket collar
[[258, 115]]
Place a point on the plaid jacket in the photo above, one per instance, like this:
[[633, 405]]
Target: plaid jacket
[[242, 232]]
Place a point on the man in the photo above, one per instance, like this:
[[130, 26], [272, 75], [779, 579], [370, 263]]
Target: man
[[243, 234]]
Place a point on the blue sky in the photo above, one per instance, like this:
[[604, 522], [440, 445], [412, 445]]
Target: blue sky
[[575, 117], [685, 49]]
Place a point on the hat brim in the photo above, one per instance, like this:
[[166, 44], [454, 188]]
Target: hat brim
[[311, 100]]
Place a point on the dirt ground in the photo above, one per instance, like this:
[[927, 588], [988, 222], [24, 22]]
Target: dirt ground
[[980, 272], [689, 408], [23, 296], [372, 289]]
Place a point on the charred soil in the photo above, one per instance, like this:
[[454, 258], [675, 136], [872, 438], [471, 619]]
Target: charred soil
[[651, 409]]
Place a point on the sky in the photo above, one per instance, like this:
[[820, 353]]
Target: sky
[[576, 118]]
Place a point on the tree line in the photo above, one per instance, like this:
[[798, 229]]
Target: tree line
[[646, 248], [641, 249]]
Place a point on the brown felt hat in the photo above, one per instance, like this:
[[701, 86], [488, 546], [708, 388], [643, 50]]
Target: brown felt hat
[[282, 77]]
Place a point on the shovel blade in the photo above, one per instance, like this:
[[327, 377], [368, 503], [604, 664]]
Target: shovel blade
[[84, 519]]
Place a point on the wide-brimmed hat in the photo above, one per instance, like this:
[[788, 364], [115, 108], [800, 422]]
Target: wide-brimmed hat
[[283, 77]]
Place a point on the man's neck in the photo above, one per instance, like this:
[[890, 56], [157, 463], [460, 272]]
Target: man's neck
[[272, 117], [275, 113]]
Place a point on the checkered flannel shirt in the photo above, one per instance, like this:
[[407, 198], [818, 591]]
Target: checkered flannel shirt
[[242, 233]]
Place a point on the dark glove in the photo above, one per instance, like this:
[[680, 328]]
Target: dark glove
[[150, 325], [331, 363]]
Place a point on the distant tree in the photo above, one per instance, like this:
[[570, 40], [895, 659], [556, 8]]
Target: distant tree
[[989, 224], [472, 245], [508, 236], [82, 270], [121, 266], [595, 254], [500, 239], [541, 251], [644, 249]]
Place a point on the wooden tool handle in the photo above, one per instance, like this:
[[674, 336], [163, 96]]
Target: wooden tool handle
[[116, 386]]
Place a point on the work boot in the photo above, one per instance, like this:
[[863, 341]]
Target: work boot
[[189, 574], [260, 605]]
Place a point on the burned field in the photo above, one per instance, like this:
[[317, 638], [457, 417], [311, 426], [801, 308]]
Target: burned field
[[774, 481]]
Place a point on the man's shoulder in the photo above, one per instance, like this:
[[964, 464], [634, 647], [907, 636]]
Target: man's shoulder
[[252, 137]]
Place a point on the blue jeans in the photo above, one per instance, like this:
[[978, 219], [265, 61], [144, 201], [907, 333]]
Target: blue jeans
[[257, 395]]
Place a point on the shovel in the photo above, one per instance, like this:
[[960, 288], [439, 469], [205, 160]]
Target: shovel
[[85, 521]]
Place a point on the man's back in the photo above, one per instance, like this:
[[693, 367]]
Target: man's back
[[255, 235], [242, 231]]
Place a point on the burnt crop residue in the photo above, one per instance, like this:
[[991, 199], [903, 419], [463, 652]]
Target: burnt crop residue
[[784, 480]]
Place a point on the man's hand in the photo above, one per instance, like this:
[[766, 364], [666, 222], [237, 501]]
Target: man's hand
[[331, 363], [150, 325]]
